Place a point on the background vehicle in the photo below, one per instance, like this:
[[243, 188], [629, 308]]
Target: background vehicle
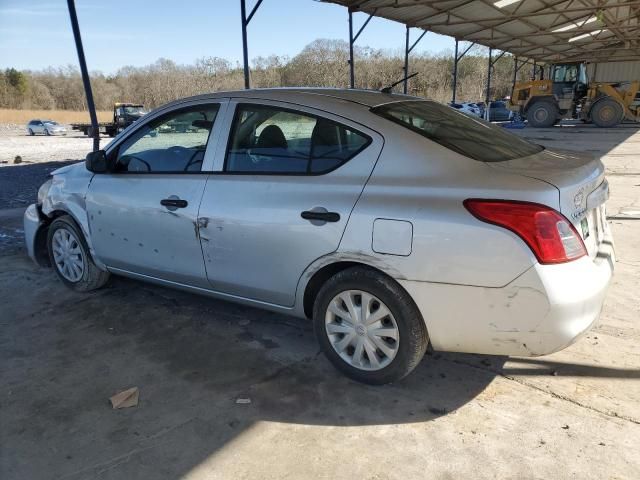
[[498, 112], [466, 107], [46, 127], [124, 114], [372, 214], [568, 94]]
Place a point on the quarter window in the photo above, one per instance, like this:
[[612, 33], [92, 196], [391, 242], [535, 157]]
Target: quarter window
[[273, 140], [175, 142]]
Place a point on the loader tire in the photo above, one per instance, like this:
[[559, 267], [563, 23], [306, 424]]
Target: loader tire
[[606, 113], [542, 114]]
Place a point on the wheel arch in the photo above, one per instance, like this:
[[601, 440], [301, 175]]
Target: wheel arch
[[323, 269], [60, 210]]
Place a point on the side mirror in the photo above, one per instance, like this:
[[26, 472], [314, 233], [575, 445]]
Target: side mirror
[[97, 162]]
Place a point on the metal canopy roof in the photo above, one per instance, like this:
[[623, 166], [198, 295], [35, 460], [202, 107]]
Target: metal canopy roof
[[543, 30]]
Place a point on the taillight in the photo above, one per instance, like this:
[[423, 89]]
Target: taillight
[[548, 233]]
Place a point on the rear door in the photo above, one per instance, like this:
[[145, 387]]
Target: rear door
[[289, 179], [143, 215]]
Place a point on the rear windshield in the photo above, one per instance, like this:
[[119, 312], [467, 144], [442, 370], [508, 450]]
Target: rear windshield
[[469, 136]]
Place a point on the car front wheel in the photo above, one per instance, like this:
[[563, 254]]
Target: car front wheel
[[70, 257], [369, 327]]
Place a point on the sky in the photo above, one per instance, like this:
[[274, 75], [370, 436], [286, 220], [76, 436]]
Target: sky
[[36, 34]]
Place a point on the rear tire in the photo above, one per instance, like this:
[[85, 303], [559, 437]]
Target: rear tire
[[70, 257], [47, 132], [606, 113], [31, 133], [542, 114], [350, 342]]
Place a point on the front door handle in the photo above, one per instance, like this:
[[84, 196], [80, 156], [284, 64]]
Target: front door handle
[[173, 202], [320, 216]]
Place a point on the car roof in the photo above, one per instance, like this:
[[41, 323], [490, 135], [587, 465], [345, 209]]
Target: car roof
[[368, 98]]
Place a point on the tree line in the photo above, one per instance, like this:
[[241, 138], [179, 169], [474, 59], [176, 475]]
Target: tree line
[[322, 63]]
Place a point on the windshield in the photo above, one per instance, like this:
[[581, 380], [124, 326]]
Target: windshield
[[50, 122], [469, 136], [134, 110]]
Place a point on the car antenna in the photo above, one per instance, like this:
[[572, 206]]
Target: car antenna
[[390, 87]]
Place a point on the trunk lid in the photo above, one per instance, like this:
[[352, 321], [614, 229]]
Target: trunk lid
[[581, 184]]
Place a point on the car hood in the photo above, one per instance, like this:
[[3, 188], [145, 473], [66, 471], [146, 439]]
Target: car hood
[[575, 175], [74, 168]]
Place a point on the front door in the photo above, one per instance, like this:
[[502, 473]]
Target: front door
[[291, 177], [143, 215]]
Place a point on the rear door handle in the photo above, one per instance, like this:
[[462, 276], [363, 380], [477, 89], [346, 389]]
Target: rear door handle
[[321, 216], [173, 202]]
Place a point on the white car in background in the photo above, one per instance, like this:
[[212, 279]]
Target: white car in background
[[390, 221], [466, 107], [46, 127]]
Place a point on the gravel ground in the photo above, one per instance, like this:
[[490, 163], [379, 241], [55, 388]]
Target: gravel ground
[[40, 155], [14, 141]]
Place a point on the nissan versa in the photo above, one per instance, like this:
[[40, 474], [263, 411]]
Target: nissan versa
[[391, 221]]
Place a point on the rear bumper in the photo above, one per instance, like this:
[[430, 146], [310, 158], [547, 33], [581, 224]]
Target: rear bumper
[[544, 310], [33, 220]]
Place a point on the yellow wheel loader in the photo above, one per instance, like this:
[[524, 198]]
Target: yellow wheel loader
[[568, 94]]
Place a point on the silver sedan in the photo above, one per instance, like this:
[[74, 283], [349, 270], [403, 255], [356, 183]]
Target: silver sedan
[[46, 127], [390, 221]]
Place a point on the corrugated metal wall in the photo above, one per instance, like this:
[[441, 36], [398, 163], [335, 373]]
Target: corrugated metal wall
[[614, 71]]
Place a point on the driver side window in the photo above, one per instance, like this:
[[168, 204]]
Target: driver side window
[[173, 143]]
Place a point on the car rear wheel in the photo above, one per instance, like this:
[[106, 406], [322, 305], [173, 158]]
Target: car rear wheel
[[70, 257], [47, 132], [606, 113], [369, 327], [542, 114], [31, 133]]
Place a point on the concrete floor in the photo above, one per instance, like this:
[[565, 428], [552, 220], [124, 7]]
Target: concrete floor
[[574, 414]]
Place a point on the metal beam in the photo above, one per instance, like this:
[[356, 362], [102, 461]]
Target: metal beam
[[245, 50], [455, 73], [85, 75], [352, 40], [488, 97], [407, 51]]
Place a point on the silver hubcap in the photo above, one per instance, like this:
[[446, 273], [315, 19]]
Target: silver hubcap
[[67, 254], [362, 330]]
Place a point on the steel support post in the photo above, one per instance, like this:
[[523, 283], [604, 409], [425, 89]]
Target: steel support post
[[352, 73], [456, 60], [488, 96], [85, 75], [455, 73], [405, 85], [407, 50], [245, 49], [352, 40]]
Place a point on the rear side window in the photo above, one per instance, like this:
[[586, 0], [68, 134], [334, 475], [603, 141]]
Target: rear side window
[[469, 136], [272, 140]]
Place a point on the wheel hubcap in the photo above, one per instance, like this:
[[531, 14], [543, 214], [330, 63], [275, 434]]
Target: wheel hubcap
[[67, 255], [362, 330]]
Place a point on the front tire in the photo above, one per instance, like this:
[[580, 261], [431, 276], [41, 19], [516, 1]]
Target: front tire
[[542, 114], [606, 113], [70, 257], [369, 327], [47, 132]]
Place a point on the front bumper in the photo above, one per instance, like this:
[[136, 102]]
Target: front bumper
[[33, 220], [542, 311]]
